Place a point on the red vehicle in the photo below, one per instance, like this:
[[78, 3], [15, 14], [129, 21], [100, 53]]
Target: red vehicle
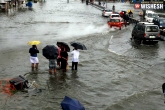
[[116, 22]]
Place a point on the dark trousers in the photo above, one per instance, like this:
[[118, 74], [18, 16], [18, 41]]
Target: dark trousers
[[163, 87], [63, 64], [74, 64]]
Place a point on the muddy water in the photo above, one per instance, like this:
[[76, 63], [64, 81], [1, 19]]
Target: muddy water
[[113, 74]]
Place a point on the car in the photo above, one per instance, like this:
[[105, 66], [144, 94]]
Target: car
[[115, 22], [150, 15], [144, 31], [106, 12], [160, 22], [114, 16]]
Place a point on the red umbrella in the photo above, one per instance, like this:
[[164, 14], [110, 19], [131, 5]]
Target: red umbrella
[[121, 13]]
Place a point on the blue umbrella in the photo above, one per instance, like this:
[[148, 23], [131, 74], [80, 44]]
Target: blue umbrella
[[71, 104]]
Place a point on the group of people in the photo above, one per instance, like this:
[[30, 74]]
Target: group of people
[[61, 60]]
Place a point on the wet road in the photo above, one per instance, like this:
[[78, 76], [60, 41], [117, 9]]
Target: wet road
[[113, 74]]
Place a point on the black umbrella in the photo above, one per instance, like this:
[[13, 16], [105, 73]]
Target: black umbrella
[[65, 45], [78, 45], [50, 52]]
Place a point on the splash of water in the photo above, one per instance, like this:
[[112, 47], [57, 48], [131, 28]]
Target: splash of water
[[76, 30]]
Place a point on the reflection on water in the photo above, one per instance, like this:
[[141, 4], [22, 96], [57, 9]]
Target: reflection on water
[[74, 74]]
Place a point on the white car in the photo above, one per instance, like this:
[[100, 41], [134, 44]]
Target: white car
[[150, 15], [115, 16], [106, 12]]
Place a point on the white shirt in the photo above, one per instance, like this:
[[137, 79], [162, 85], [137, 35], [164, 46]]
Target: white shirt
[[75, 56]]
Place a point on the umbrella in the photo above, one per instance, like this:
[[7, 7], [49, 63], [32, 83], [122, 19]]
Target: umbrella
[[78, 45], [34, 42], [71, 104], [50, 52], [121, 13], [129, 11], [65, 45]]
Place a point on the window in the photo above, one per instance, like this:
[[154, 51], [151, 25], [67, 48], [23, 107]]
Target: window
[[162, 21], [136, 27], [114, 20], [154, 15], [140, 28], [155, 19], [152, 29], [149, 15], [115, 16], [108, 10]]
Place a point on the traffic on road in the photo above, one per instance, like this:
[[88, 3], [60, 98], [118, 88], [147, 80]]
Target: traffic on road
[[147, 20]]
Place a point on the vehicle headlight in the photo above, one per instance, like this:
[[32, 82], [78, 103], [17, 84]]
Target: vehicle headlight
[[160, 26]]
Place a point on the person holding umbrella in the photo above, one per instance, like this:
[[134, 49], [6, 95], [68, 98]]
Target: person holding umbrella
[[33, 56], [51, 52], [75, 58], [64, 59], [59, 56], [75, 53]]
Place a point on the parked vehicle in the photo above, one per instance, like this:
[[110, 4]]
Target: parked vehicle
[[144, 31], [150, 15], [115, 22], [106, 12]]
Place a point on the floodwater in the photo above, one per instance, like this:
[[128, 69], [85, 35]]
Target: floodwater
[[113, 74]]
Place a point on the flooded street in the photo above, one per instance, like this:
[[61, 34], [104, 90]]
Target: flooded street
[[113, 74]]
